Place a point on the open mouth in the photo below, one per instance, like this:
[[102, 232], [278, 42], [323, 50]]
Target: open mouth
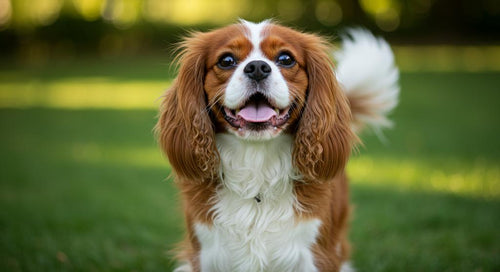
[[257, 114]]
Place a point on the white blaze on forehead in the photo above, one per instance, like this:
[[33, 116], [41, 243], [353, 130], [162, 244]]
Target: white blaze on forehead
[[275, 85], [255, 32]]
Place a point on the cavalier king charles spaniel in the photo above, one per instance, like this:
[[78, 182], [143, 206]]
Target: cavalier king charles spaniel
[[258, 127]]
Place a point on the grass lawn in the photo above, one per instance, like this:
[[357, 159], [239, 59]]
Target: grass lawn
[[83, 186]]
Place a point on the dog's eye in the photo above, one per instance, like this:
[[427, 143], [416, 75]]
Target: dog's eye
[[285, 59], [226, 62]]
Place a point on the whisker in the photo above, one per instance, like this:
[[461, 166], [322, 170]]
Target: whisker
[[298, 97], [219, 96]]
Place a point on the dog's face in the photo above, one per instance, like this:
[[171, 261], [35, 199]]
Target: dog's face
[[255, 81]]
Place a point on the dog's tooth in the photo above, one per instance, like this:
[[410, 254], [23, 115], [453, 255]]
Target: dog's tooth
[[277, 111], [237, 111]]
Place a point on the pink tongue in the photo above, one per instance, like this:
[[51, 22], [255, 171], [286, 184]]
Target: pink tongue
[[254, 112]]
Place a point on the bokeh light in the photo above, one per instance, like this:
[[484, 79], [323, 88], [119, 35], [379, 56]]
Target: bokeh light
[[89, 9], [329, 13], [5, 13]]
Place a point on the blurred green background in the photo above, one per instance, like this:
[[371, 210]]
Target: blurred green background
[[83, 186]]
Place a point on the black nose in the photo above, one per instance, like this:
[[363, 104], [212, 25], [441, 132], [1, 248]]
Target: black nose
[[257, 70]]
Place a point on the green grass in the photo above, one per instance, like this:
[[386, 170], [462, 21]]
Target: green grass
[[84, 188]]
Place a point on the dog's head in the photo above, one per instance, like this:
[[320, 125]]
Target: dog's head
[[255, 81]]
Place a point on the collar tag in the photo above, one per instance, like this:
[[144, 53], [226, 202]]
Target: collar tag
[[258, 198]]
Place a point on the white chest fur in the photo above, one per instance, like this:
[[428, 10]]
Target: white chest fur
[[256, 236]]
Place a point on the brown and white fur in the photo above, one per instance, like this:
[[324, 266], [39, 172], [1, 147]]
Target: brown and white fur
[[264, 190]]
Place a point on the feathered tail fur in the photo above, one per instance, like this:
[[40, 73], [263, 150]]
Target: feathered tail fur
[[369, 77]]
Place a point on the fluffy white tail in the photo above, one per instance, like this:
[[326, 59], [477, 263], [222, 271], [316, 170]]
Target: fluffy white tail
[[369, 77]]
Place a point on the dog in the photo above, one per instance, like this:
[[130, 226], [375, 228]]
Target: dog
[[258, 127]]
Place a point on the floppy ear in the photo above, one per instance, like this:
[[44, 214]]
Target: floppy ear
[[324, 138], [184, 129]]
